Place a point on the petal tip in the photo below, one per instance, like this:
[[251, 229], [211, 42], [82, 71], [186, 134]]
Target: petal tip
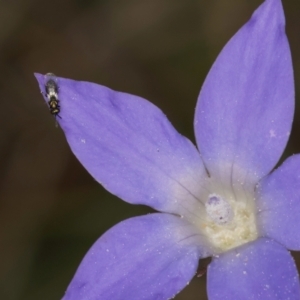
[[271, 10], [38, 76]]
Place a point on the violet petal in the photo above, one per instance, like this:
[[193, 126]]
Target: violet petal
[[149, 257], [245, 108], [129, 146], [278, 204], [259, 270]]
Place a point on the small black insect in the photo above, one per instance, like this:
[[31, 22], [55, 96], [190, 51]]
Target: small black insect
[[51, 88]]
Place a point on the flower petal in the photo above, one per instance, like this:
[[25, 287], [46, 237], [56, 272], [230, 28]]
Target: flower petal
[[278, 204], [245, 108], [148, 257], [129, 146], [259, 270]]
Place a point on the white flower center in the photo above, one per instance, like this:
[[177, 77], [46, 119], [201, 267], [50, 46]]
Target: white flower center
[[226, 217]]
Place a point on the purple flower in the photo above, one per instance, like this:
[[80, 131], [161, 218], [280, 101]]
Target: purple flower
[[224, 203]]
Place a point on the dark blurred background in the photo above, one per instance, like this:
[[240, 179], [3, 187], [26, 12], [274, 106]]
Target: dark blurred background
[[51, 209]]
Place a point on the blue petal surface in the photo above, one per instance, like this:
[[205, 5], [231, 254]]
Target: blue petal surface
[[245, 108], [260, 270], [148, 257], [278, 204], [129, 146]]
